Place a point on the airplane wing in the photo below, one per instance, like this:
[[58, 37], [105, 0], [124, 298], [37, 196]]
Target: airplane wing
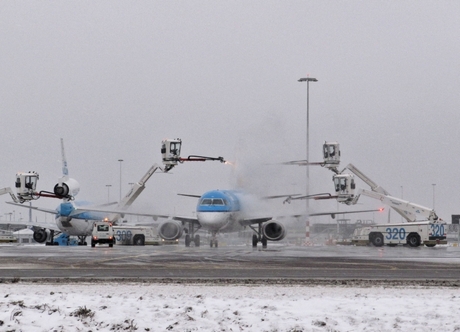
[[121, 212], [187, 219], [34, 208], [264, 197], [192, 220], [30, 224], [280, 196], [247, 222], [313, 196], [40, 224], [334, 213], [190, 195]]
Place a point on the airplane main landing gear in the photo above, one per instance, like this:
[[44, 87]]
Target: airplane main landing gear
[[255, 240], [82, 241], [188, 240], [51, 241], [258, 237]]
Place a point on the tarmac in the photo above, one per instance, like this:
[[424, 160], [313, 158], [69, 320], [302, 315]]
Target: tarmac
[[230, 263]]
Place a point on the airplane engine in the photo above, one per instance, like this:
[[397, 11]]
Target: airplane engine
[[273, 230], [68, 188], [170, 230], [41, 235]]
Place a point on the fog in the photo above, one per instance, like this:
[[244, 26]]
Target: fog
[[114, 78]]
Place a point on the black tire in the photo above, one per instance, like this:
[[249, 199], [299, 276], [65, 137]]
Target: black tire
[[93, 244], [138, 240], [413, 240], [197, 240], [264, 242], [430, 245], [211, 243], [254, 241], [216, 243], [187, 240], [377, 239]]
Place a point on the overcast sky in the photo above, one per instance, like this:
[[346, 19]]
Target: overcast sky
[[113, 78]]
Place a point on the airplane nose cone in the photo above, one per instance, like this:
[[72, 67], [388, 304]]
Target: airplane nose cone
[[213, 220]]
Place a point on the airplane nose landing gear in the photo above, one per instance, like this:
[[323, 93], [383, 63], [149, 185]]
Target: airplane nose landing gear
[[213, 241]]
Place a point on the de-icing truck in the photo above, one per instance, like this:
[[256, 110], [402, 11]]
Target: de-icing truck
[[415, 232]]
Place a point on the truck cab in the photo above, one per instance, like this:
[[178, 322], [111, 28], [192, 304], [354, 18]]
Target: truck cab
[[102, 233]]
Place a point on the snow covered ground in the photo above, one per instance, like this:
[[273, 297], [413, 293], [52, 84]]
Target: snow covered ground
[[194, 307]]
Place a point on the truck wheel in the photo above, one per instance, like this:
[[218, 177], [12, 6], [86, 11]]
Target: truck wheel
[[413, 240], [93, 244], [430, 245], [110, 245], [138, 240], [187, 240], [377, 239]]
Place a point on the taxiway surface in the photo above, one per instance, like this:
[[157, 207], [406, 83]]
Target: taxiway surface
[[232, 262]]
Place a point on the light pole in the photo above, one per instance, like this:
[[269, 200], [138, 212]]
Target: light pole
[[434, 184], [108, 192], [120, 160], [308, 80]]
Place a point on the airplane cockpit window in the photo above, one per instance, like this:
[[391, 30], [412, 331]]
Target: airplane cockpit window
[[213, 201], [206, 201]]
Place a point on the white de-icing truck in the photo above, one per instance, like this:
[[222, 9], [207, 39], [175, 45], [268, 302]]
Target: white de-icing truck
[[136, 235], [415, 232]]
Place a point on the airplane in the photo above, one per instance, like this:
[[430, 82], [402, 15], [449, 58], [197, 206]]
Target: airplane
[[80, 225], [72, 217], [223, 211], [226, 211]]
